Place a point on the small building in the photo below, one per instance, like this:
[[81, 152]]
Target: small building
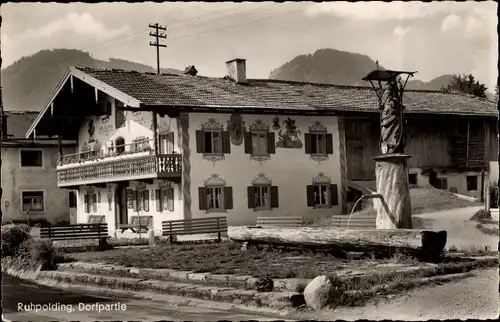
[[29, 180], [172, 147]]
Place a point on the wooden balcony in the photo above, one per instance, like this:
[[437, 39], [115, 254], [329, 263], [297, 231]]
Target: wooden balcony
[[119, 168]]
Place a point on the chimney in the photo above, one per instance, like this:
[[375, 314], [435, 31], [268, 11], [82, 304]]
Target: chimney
[[237, 70], [190, 70]]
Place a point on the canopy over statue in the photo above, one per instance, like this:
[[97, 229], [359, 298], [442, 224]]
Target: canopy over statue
[[390, 99]]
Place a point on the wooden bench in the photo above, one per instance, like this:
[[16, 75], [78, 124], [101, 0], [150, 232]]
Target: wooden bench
[[76, 232], [279, 222], [96, 219], [140, 223], [210, 225]]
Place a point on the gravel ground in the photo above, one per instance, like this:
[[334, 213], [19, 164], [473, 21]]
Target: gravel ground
[[462, 232], [472, 298]]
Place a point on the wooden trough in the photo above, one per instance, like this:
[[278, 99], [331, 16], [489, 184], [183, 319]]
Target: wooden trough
[[425, 244]]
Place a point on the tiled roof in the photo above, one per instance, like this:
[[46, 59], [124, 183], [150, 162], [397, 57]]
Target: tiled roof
[[18, 123], [197, 91]]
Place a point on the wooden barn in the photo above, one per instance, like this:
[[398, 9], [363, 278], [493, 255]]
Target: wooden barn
[[452, 143]]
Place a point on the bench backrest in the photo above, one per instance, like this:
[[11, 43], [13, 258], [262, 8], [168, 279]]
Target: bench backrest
[[280, 221], [142, 220], [78, 231], [96, 219], [195, 226]]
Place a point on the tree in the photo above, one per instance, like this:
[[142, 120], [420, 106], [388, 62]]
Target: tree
[[496, 93], [466, 84]]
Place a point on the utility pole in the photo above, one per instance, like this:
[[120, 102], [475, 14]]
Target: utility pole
[[157, 44]]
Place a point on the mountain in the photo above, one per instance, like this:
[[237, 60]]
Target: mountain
[[28, 83], [331, 66]]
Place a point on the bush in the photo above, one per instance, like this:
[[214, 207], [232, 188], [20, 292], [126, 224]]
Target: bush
[[481, 214], [35, 251], [13, 236]]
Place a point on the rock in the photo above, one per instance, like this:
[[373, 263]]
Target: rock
[[264, 284], [318, 292]]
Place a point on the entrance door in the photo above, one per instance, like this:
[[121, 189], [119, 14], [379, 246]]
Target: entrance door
[[72, 207], [121, 205]]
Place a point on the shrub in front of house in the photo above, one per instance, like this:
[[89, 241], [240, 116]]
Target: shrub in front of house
[[13, 236], [481, 215]]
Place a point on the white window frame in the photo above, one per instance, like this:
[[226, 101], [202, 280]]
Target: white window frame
[[165, 145], [262, 143], [220, 200], [219, 145], [325, 193], [141, 200], [261, 196], [33, 210], [30, 166]]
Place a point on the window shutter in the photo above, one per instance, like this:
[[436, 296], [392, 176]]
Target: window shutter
[[310, 196], [228, 197], [146, 200], [171, 140], [274, 197], [329, 143], [308, 143], [251, 197], [99, 196], [158, 200], [334, 196], [202, 198], [226, 142], [170, 199], [200, 142], [271, 144], [248, 143], [86, 203]]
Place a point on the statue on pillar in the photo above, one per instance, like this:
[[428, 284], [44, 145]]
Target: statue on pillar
[[391, 118]]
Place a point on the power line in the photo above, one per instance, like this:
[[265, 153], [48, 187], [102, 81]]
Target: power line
[[157, 44]]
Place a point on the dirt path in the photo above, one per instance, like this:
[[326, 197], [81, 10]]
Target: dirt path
[[473, 298], [462, 231]]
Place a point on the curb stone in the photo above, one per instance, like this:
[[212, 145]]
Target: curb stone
[[277, 300]]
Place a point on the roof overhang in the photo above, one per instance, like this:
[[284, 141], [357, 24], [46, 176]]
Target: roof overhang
[[92, 81]]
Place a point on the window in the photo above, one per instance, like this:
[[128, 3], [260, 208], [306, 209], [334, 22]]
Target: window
[[322, 195], [318, 141], [442, 183], [263, 197], [143, 200], [412, 178], [165, 199], [72, 199], [166, 143], [103, 105], [31, 158], [32, 200], [140, 144], [119, 114], [90, 202], [259, 143], [120, 146], [215, 198], [471, 183], [213, 142]]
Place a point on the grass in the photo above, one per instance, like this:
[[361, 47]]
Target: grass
[[226, 258]]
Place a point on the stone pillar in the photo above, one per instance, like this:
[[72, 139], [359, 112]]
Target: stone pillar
[[394, 211]]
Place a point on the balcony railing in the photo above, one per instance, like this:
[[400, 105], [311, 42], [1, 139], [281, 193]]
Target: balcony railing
[[114, 151], [131, 168]]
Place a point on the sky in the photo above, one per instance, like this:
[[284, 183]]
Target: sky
[[433, 38]]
